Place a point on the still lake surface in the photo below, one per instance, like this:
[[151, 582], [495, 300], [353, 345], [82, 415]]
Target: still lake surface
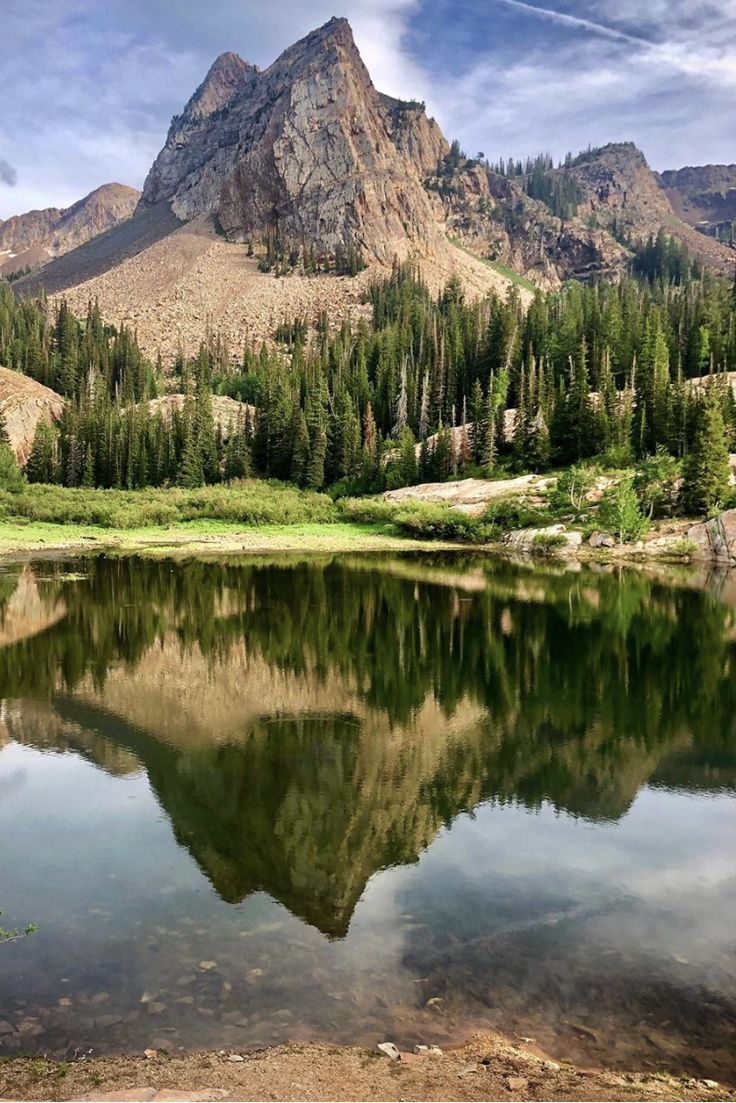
[[365, 798]]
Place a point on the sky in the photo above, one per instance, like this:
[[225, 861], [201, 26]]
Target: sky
[[89, 86]]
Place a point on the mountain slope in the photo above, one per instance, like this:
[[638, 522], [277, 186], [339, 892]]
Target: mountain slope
[[31, 239]]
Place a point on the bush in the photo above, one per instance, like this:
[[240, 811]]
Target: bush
[[620, 512], [510, 513], [425, 521], [250, 502], [547, 543], [367, 511], [569, 496]]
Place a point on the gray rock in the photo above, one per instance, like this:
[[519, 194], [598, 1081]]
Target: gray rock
[[389, 1049], [715, 540], [602, 540]]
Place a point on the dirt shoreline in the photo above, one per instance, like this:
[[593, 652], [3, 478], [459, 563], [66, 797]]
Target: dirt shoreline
[[486, 1067]]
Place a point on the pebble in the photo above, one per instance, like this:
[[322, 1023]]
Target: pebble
[[156, 1008], [710, 1083], [205, 966], [517, 1083], [149, 1054], [389, 1049], [100, 997], [235, 1058], [551, 1065], [64, 1002]]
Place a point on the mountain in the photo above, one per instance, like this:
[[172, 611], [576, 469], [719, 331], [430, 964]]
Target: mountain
[[704, 197], [610, 196], [305, 166], [306, 150], [31, 239]]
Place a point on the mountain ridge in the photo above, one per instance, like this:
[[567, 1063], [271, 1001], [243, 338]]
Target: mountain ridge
[[33, 238], [306, 158]]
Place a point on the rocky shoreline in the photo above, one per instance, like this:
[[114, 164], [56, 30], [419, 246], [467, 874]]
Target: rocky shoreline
[[486, 1067]]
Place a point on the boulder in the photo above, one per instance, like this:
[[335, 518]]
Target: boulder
[[552, 537], [602, 540], [715, 540], [23, 404]]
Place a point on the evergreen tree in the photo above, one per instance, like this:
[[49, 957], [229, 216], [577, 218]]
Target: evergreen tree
[[706, 468]]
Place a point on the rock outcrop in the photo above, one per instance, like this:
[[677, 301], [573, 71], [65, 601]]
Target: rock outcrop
[[703, 196], [715, 540], [307, 150], [23, 403], [31, 239]]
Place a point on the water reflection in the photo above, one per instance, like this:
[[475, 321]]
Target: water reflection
[[305, 725]]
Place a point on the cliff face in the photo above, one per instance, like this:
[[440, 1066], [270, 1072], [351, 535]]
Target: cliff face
[[306, 149], [31, 239], [704, 197], [495, 217]]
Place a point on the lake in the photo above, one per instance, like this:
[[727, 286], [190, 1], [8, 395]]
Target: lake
[[358, 799]]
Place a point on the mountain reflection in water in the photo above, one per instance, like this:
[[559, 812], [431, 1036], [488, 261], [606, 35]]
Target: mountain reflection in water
[[305, 725]]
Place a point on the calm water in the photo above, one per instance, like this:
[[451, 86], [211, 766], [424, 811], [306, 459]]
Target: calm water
[[356, 799]]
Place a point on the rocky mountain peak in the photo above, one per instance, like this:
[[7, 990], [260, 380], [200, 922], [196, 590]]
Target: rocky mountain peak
[[31, 239], [306, 150], [225, 79]]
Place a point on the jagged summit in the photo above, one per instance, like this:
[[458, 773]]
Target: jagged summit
[[306, 149], [225, 78]]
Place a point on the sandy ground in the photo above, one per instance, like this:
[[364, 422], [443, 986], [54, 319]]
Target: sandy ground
[[488, 1067]]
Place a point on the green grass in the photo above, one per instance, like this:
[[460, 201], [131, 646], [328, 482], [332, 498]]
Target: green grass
[[250, 502], [520, 281]]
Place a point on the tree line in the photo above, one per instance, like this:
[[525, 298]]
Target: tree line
[[599, 370]]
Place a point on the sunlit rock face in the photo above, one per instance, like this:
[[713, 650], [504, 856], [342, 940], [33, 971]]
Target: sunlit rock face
[[306, 149]]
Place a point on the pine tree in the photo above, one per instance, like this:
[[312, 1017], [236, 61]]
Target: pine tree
[[42, 465], [706, 471]]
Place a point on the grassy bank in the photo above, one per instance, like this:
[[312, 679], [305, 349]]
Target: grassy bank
[[250, 516]]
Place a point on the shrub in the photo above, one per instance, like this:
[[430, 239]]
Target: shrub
[[570, 493], [547, 543], [437, 522], [250, 502], [510, 513], [621, 513]]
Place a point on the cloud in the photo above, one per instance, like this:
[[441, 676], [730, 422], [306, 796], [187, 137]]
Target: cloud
[[572, 21], [8, 175]]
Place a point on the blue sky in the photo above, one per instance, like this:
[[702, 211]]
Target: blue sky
[[89, 86]]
